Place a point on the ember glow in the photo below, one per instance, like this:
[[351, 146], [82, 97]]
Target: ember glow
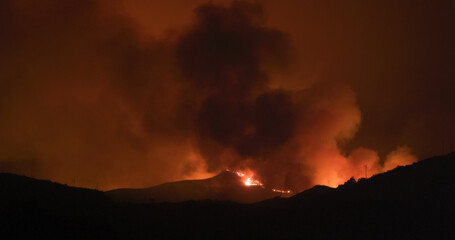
[[281, 191]]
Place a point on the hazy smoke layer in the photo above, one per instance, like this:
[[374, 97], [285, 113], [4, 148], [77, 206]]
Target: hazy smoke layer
[[87, 99]]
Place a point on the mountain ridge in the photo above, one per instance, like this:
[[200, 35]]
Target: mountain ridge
[[224, 186], [411, 202]]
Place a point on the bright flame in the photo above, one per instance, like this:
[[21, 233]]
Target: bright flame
[[252, 182], [248, 180]]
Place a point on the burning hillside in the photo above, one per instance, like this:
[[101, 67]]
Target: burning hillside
[[228, 185]]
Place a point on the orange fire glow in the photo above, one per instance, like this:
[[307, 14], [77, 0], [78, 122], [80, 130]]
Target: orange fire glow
[[248, 179], [252, 182], [281, 191]]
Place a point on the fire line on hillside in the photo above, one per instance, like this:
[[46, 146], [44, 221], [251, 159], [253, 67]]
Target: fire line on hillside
[[248, 179]]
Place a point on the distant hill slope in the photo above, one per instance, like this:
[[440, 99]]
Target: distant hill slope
[[225, 186], [19, 189], [412, 202], [32, 209]]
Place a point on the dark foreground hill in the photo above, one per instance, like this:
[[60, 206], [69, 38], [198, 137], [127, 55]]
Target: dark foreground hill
[[225, 186], [413, 202]]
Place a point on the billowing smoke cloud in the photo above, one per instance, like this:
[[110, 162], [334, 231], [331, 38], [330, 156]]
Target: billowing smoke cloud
[[394, 55], [87, 99], [289, 137]]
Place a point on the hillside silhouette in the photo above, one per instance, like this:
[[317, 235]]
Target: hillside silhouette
[[224, 186], [412, 202]]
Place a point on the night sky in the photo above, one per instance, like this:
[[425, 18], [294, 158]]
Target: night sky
[[133, 93]]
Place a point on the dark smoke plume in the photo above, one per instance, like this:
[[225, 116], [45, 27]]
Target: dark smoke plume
[[222, 57]]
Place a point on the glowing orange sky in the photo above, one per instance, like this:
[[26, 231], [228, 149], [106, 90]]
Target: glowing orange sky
[[111, 94]]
